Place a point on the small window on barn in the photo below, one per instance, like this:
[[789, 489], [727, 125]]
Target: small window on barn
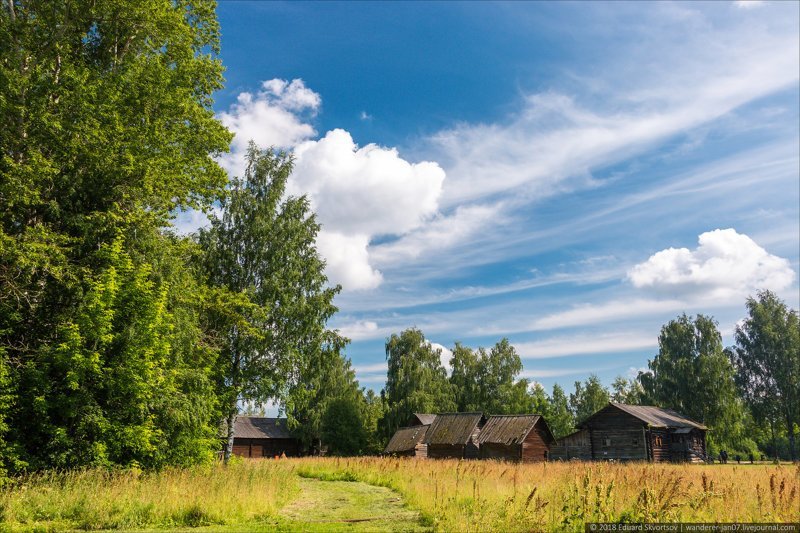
[[606, 442], [657, 441]]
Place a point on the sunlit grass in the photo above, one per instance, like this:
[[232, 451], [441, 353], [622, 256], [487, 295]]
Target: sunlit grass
[[498, 496], [245, 492], [450, 495]]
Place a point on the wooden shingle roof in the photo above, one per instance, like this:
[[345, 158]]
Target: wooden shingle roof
[[510, 429], [406, 439], [424, 419], [259, 427], [656, 417], [453, 428]]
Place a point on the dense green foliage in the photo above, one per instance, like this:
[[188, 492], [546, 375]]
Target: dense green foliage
[[261, 259], [767, 361], [692, 375], [107, 128], [487, 381], [416, 381], [120, 342]]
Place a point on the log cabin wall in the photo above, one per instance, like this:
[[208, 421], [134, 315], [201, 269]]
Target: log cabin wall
[[616, 435], [421, 451], [687, 446], [255, 448], [659, 445], [535, 447], [574, 446], [503, 452], [446, 451], [619, 444]]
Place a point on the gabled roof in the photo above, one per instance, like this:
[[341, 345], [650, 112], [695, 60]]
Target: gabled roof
[[422, 419], [511, 429], [453, 428], [406, 439], [656, 417], [259, 427]]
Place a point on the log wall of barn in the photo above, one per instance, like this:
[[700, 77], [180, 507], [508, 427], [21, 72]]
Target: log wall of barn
[[616, 435], [266, 447], [659, 445], [534, 447], [619, 444], [575, 446], [421, 451], [504, 452], [446, 451]]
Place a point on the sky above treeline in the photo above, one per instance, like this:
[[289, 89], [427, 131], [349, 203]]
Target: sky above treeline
[[570, 176]]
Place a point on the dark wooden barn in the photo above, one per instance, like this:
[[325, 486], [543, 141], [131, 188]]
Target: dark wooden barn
[[256, 436], [573, 446], [454, 435], [525, 438], [621, 432], [408, 442]]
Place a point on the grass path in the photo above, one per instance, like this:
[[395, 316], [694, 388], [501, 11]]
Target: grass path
[[348, 506]]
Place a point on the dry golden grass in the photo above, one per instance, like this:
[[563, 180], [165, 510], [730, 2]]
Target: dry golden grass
[[244, 492], [498, 496], [450, 495]]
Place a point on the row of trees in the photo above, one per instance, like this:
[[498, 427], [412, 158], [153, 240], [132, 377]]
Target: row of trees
[[122, 342], [749, 394]]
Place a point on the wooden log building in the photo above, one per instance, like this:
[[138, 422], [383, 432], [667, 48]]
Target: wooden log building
[[574, 446], [256, 436], [621, 432], [454, 435], [408, 442], [524, 438]]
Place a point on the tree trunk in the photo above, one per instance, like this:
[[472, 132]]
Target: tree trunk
[[774, 441], [231, 425]]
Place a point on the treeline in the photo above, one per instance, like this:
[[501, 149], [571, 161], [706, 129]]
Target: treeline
[[748, 394], [122, 342]]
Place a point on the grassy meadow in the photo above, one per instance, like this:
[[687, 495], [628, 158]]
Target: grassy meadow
[[443, 496]]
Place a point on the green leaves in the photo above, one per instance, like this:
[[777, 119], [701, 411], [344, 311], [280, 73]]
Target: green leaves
[[271, 299], [767, 362]]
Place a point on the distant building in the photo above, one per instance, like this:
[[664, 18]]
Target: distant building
[[256, 436], [525, 438], [408, 442], [454, 435], [621, 432]]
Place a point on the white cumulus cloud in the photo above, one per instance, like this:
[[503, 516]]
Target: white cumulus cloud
[[725, 264], [359, 193], [273, 116]]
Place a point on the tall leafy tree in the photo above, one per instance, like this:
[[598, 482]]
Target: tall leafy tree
[[588, 398], [274, 300], [372, 413], [561, 419], [107, 128], [692, 375], [624, 390], [767, 362], [487, 380], [314, 382], [416, 381], [342, 426]]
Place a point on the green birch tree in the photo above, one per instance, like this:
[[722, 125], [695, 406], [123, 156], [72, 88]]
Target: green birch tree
[[274, 301]]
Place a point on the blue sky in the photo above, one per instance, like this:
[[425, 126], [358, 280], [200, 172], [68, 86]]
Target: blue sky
[[568, 175]]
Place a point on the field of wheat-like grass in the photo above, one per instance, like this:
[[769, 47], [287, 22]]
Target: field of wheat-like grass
[[450, 495], [499, 496]]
